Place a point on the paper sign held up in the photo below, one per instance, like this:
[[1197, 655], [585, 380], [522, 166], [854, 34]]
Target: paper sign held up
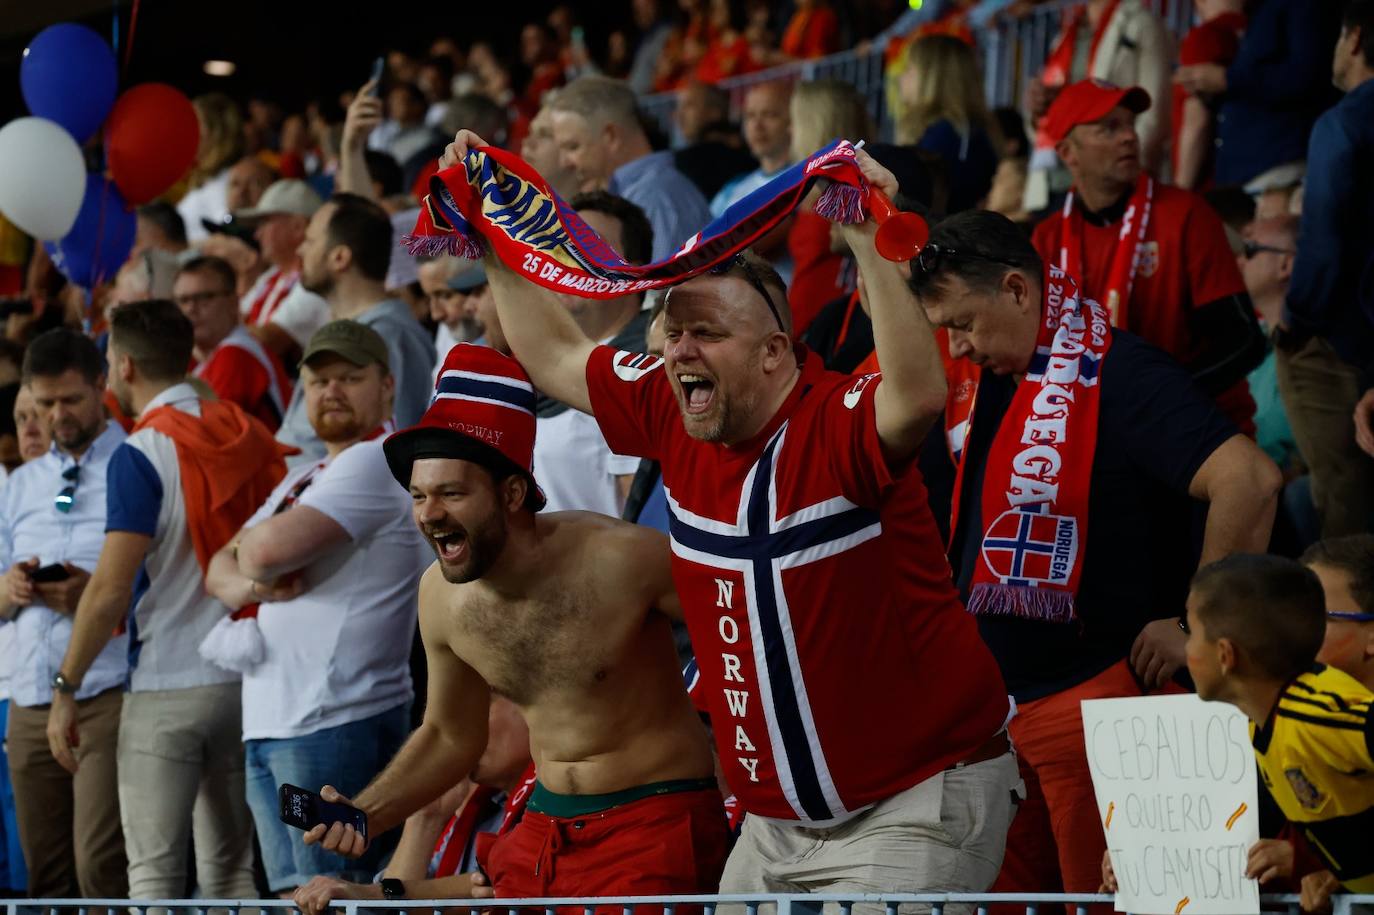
[[1175, 781]]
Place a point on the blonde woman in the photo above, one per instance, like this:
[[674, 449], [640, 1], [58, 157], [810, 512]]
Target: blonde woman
[[941, 110], [221, 145]]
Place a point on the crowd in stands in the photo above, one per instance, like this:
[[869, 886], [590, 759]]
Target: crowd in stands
[[220, 505]]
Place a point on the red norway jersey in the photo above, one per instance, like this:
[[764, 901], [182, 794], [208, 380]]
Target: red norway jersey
[[836, 660], [1185, 261]]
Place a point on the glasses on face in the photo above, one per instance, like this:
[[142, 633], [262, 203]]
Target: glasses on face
[[67, 497], [200, 298], [1350, 616], [1252, 248], [931, 257]]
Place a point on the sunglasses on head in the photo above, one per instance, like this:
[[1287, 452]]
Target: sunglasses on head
[[932, 256], [755, 279], [1252, 248]]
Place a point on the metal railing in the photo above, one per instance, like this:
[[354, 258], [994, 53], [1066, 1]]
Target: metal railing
[[772, 903], [1012, 51]]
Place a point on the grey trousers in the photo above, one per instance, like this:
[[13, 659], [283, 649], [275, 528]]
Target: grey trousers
[[944, 835]]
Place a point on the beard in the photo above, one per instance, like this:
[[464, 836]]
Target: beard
[[483, 544], [322, 283], [337, 424], [70, 435]]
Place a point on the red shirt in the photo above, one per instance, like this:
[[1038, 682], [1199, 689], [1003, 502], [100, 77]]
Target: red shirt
[[836, 660], [817, 274], [243, 371], [1185, 261], [812, 33], [1212, 42]]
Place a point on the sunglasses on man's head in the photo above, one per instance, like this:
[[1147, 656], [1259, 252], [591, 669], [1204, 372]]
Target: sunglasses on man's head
[[1252, 248], [67, 497], [933, 256], [755, 279]]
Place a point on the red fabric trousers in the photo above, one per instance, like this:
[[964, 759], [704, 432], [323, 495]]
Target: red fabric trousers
[[660, 845], [1056, 841]]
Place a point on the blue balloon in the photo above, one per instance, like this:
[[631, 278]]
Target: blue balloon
[[101, 239], [68, 75]]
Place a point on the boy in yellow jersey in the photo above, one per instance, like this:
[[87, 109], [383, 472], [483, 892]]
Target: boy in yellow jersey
[[1256, 624]]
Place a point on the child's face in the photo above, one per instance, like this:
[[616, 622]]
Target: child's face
[[1201, 655], [1347, 642]]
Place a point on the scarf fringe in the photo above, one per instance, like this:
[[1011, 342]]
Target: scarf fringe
[[454, 245], [1044, 604], [842, 203]]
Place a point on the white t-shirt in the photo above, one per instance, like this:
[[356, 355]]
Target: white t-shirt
[[574, 465], [340, 652], [302, 313]]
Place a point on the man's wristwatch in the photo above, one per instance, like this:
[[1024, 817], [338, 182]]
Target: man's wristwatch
[[62, 685], [393, 888]]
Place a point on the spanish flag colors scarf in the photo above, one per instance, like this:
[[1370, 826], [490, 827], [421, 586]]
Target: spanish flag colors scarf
[[1037, 472]]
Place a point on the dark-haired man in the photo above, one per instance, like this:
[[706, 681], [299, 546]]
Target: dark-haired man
[[1076, 454], [793, 501], [235, 365], [566, 615], [52, 513], [345, 257], [188, 476]]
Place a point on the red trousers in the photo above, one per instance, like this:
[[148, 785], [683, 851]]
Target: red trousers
[[1056, 842], [661, 845]]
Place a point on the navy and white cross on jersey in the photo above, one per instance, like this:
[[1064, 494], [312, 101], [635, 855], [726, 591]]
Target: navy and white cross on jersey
[[760, 545]]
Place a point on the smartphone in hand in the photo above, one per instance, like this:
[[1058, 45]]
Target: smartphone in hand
[[378, 71], [305, 810], [49, 574]]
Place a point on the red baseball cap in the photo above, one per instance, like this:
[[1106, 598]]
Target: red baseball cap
[[1090, 100], [483, 411]]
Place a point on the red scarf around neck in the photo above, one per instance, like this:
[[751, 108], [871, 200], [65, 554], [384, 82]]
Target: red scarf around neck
[[1116, 297], [1037, 472]]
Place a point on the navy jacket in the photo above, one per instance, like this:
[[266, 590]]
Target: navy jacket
[[1327, 295], [1276, 87]]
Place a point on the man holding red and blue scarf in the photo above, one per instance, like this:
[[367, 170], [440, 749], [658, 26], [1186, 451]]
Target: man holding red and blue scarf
[[1078, 455], [858, 718]]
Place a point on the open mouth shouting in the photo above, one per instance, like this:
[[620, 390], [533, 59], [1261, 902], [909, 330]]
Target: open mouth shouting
[[698, 392], [450, 546]]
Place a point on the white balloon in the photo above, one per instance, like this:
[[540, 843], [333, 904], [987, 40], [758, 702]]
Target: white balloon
[[42, 177]]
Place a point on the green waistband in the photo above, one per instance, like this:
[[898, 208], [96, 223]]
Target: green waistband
[[544, 801]]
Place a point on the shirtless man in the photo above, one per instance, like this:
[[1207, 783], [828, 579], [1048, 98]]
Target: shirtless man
[[563, 614]]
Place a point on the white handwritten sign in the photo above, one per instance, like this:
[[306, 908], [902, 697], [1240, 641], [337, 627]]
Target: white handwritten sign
[[1175, 784]]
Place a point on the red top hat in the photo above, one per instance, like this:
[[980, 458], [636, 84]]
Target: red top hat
[[483, 411]]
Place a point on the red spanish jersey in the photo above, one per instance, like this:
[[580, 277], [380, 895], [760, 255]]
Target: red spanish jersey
[[1184, 261], [837, 662]]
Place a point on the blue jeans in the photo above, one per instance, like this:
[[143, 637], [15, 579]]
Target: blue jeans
[[13, 876], [347, 757]]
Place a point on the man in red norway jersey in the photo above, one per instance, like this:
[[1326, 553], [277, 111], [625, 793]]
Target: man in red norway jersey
[[810, 572], [227, 357], [1155, 256]]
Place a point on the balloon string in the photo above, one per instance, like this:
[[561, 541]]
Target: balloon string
[[129, 48], [96, 276]]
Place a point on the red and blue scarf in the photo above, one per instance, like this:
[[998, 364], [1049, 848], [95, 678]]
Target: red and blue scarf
[[495, 198], [1038, 470]]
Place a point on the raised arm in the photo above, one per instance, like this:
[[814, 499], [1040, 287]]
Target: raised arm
[[913, 391], [542, 334], [445, 746]]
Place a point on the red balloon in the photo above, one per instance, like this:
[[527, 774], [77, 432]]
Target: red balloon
[[151, 138]]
